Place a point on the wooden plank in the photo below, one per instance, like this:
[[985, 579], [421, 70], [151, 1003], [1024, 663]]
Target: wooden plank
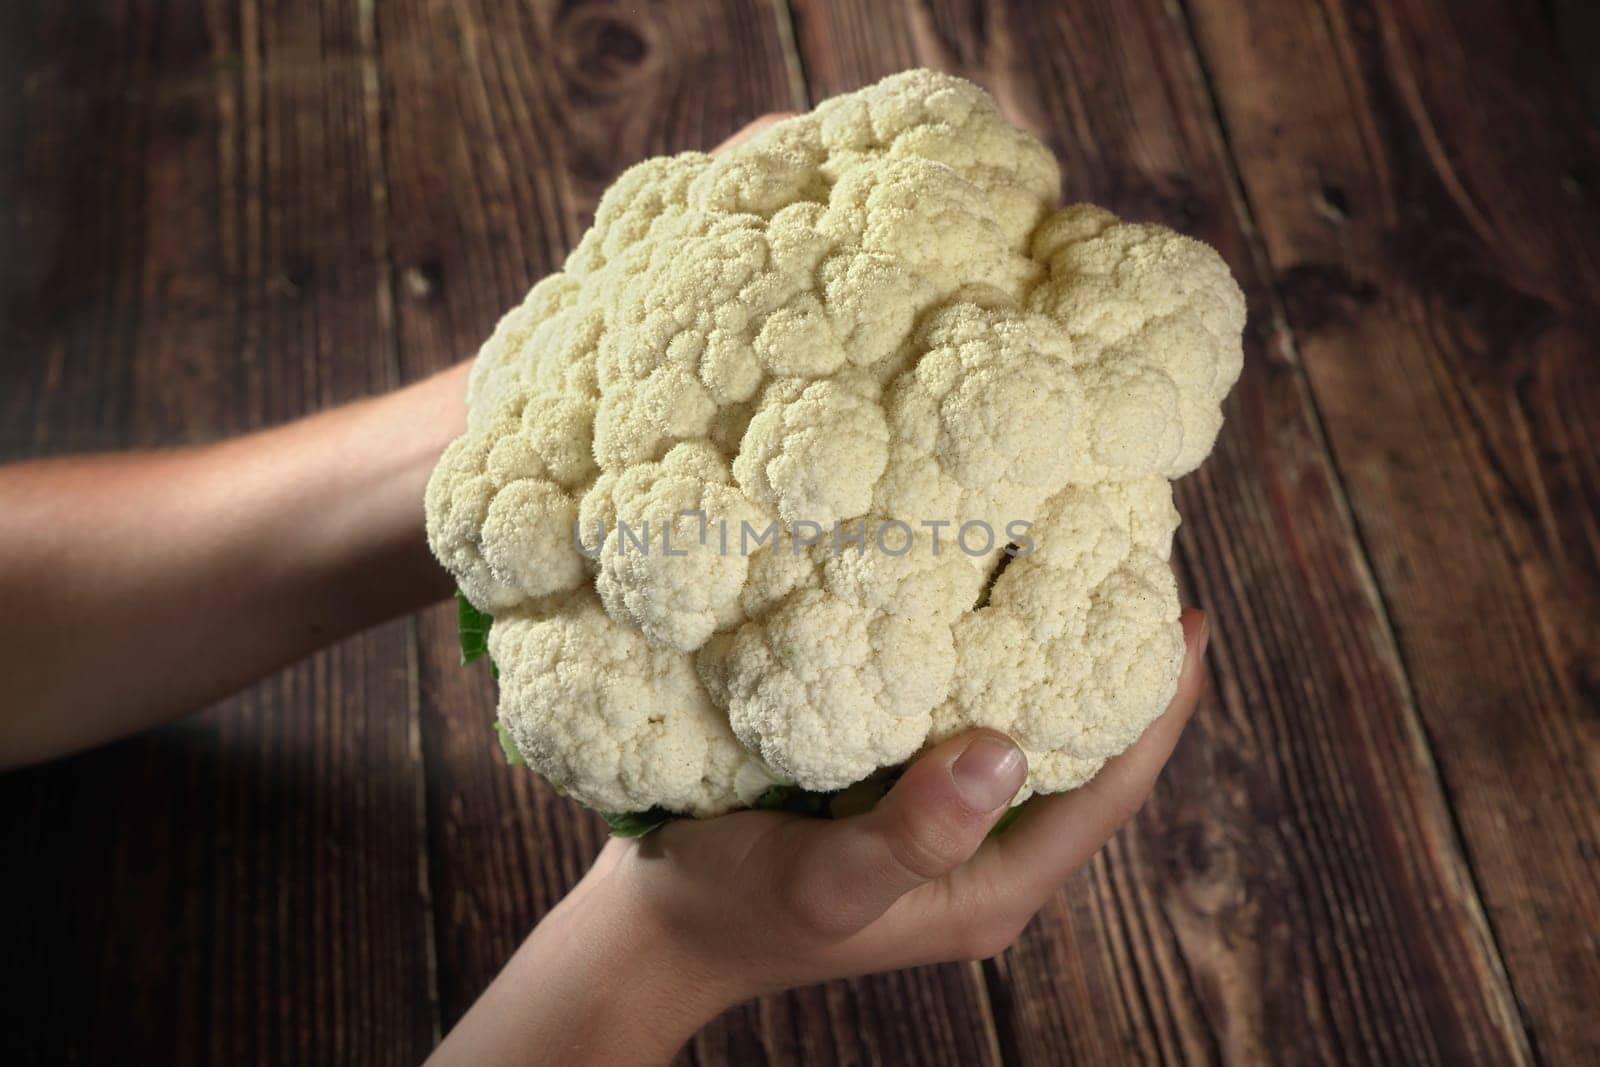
[[506, 122], [1575, 25], [1295, 892], [1423, 178], [201, 251]]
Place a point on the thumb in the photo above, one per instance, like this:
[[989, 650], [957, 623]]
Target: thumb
[[930, 823]]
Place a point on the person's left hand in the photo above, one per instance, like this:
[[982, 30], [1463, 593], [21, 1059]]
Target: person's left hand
[[751, 128]]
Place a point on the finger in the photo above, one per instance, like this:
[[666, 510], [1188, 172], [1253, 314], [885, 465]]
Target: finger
[[1058, 834], [740, 136], [846, 873]]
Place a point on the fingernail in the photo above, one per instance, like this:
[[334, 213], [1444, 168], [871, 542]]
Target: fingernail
[[1205, 636], [988, 773]]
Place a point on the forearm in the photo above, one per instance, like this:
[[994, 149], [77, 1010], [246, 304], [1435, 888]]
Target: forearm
[[141, 586], [595, 983]]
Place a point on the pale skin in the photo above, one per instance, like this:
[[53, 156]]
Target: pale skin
[[194, 571]]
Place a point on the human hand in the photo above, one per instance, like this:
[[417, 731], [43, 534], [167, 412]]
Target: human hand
[[751, 128]]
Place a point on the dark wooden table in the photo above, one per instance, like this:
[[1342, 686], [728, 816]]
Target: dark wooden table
[[1380, 841]]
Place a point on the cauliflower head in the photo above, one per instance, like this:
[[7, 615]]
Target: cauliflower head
[[828, 447]]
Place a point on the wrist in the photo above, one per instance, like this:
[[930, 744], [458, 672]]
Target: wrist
[[598, 981], [651, 989]]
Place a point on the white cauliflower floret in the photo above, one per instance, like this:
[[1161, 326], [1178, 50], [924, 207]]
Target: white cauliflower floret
[[775, 573], [814, 450], [1145, 509], [735, 480], [1078, 648], [859, 630], [1155, 319], [664, 566], [902, 570], [621, 724], [827, 693], [940, 118], [499, 506], [982, 424]]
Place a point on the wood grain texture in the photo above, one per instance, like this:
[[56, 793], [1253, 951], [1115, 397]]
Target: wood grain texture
[[1379, 842], [198, 252], [1574, 27], [1296, 890], [1441, 226]]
